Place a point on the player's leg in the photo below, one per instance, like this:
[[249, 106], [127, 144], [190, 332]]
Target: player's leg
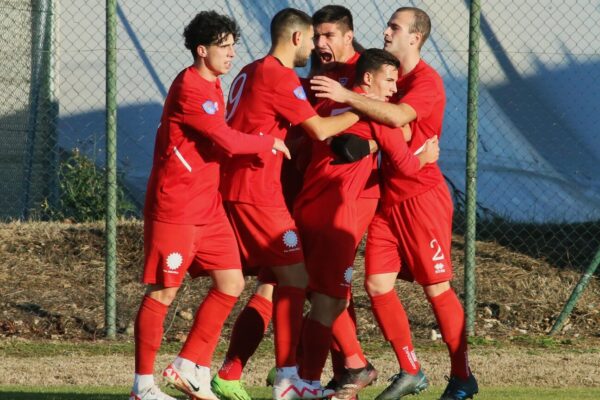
[[215, 252], [167, 256], [247, 333], [450, 317], [383, 263], [353, 369], [428, 223]]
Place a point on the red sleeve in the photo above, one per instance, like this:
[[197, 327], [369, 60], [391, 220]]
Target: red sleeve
[[290, 100], [422, 95], [206, 116], [392, 143]]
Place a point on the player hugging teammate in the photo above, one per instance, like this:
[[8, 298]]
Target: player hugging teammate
[[216, 205]]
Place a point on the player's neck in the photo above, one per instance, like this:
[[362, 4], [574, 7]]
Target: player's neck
[[347, 56], [284, 54], [408, 62], [204, 71]]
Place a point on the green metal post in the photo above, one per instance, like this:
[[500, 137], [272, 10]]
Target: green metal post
[[110, 300], [471, 173], [577, 292]]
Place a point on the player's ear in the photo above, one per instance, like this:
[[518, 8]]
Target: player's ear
[[297, 38], [417, 38], [348, 37], [201, 50], [368, 78]]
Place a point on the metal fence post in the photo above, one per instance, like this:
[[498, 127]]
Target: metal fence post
[[471, 172], [577, 292], [111, 168]]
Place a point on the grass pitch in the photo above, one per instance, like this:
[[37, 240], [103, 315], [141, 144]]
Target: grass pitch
[[261, 393]]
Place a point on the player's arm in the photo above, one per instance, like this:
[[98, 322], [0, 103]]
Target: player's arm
[[398, 153], [211, 124], [395, 115], [321, 128]]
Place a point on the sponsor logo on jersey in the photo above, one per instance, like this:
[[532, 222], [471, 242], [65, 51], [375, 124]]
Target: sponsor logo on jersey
[[174, 261], [348, 275], [210, 107], [290, 239], [299, 93]]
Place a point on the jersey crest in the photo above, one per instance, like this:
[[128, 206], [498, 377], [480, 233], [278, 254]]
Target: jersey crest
[[210, 107], [299, 93]]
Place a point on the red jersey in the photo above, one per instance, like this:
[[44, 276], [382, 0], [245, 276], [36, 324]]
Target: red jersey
[[422, 89], [183, 185], [347, 182], [265, 99]]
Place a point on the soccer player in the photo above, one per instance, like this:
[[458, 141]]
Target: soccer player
[[410, 237], [267, 98], [185, 226], [327, 212]]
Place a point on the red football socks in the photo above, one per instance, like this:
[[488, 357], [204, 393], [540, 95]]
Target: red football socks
[[208, 322], [288, 305], [316, 339], [394, 324], [344, 335], [451, 320], [247, 333], [148, 334]]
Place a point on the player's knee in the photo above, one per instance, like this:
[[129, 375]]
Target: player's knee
[[374, 288], [161, 294], [379, 284], [233, 285]]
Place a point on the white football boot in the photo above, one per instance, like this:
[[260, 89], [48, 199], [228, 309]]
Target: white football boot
[[193, 382], [289, 386], [151, 393]]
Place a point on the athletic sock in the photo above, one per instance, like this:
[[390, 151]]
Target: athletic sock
[[248, 331], [316, 339], [344, 335], [394, 324], [141, 382], [450, 317], [288, 304], [148, 334], [206, 329]]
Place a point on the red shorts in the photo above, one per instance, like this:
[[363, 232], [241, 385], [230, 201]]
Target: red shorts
[[267, 237], [171, 250], [413, 238], [330, 234]]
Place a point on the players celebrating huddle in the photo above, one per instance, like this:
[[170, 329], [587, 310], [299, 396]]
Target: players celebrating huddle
[[216, 205]]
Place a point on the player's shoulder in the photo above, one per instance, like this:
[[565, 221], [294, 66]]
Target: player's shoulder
[[425, 71]]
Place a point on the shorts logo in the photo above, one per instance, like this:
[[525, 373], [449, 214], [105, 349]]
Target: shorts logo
[[174, 261], [299, 93], [439, 268], [348, 275], [290, 239], [211, 107]]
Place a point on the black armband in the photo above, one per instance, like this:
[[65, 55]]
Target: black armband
[[349, 148]]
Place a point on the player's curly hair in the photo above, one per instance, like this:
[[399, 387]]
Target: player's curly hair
[[209, 28]]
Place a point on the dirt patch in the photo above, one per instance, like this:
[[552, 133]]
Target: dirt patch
[[52, 285]]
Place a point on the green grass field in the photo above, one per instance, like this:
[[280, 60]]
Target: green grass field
[[260, 393]]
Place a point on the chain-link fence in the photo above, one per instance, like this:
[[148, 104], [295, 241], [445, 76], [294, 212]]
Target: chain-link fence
[[538, 181]]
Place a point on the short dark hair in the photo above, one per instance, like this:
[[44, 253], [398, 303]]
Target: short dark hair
[[421, 23], [209, 28], [373, 59], [286, 19], [334, 14]]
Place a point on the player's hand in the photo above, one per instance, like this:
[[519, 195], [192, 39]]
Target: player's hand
[[431, 150], [279, 145], [349, 148], [325, 87]]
